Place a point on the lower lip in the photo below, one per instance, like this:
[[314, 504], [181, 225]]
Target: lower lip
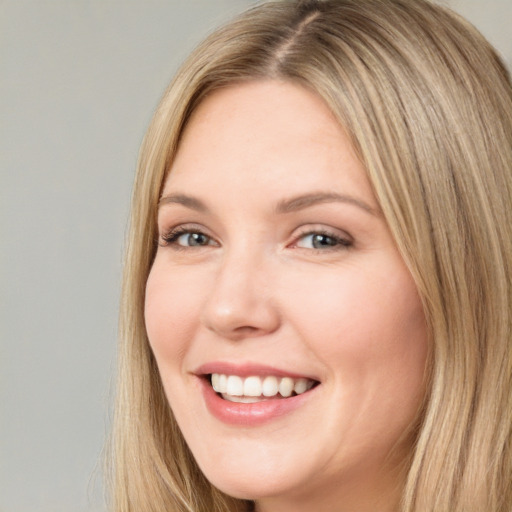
[[252, 414]]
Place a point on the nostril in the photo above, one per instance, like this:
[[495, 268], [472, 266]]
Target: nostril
[[246, 329]]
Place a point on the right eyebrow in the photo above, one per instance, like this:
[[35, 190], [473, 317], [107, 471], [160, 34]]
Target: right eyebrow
[[188, 201], [308, 200]]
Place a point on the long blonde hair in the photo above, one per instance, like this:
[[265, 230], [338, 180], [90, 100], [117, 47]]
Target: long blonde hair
[[428, 106]]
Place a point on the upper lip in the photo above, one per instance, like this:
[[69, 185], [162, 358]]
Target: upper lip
[[247, 370]]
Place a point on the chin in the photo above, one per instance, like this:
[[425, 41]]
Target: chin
[[251, 487], [253, 478]]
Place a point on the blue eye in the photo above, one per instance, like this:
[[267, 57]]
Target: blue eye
[[184, 237], [193, 239], [320, 240]]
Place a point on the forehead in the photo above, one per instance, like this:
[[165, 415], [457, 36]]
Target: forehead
[[273, 111], [261, 133]]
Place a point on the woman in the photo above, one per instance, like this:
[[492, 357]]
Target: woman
[[316, 307]]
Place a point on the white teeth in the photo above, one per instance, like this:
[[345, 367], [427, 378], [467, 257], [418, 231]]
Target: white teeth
[[219, 382], [223, 384], [286, 386], [235, 386], [270, 386], [241, 399], [301, 386], [254, 388]]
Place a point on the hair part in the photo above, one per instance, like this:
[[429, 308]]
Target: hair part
[[427, 104]]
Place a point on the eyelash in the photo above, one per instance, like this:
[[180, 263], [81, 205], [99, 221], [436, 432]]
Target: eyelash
[[171, 237], [340, 242]]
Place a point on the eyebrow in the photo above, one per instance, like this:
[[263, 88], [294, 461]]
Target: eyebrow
[[188, 201], [307, 200], [284, 206]]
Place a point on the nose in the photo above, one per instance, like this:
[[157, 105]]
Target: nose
[[241, 303]]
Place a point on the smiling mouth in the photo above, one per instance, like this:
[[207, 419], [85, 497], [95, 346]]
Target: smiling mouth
[[252, 389]]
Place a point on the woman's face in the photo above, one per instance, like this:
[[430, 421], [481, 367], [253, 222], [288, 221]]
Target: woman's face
[[277, 277]]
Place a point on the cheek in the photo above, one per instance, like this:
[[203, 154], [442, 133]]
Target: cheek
[[370, 333], [366, 323], [171, 310]]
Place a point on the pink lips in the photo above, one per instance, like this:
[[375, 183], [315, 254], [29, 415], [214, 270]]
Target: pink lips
[[246, 370], [247, 414]]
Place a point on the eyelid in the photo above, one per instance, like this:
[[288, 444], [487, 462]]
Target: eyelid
[[169, 236], [345, 239]]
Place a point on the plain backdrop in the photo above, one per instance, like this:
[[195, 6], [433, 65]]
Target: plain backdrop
[[79, 80]]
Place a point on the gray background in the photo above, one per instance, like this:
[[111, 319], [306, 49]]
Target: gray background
[[78, 83]]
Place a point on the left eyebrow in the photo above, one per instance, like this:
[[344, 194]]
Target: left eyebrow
[[188, 201], [307, 200]]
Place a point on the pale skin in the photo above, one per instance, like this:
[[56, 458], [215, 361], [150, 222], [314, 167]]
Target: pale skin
[[283, 258]]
